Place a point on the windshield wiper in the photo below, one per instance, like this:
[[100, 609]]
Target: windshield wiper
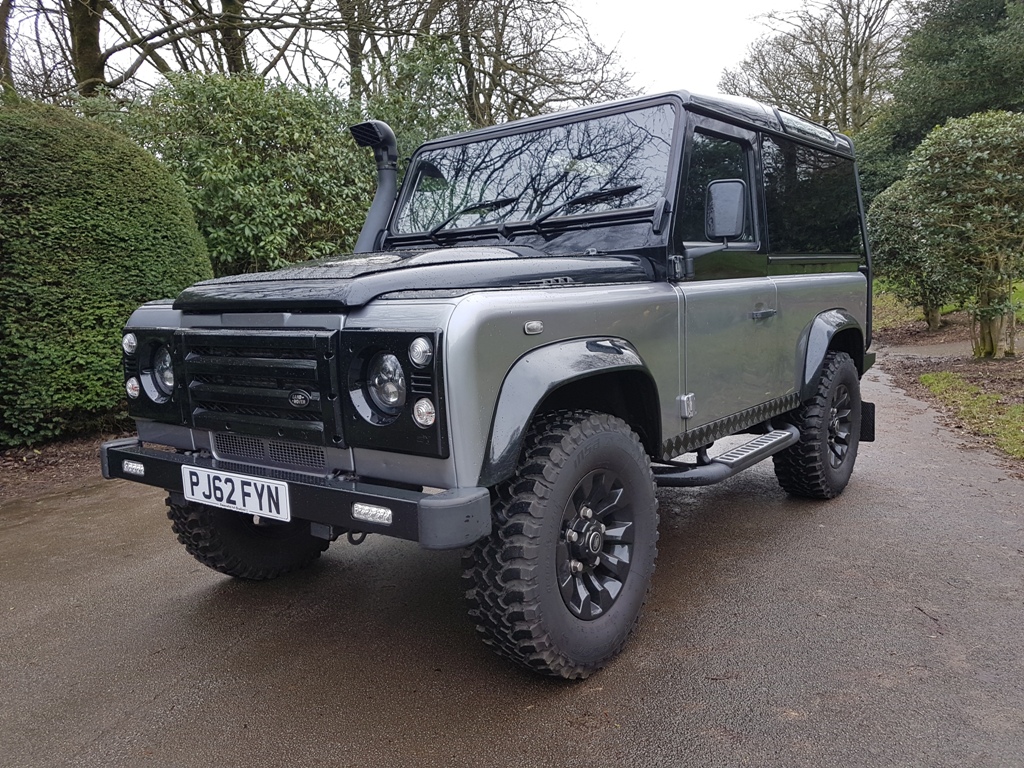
[[483, 206], [586, 197]]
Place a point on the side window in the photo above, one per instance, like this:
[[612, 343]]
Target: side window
[[811, 200], [712, 158]]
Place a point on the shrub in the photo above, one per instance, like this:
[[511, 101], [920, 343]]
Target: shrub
[[271, 172], [969, 176], [954, 226], [91, 226], [916, 271]]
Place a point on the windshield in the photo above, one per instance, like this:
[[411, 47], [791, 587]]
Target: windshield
[[543, 174]]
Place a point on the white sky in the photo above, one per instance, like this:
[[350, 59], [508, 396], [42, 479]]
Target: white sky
[[678, 44]]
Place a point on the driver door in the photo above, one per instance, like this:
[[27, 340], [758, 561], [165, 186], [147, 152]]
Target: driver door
[[732, 357]]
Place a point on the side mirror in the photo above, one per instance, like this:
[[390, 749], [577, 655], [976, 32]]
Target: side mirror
[[725, 209]]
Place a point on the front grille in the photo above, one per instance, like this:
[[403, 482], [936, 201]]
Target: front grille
[[264, 383], [230, 446], [299, 455], [240, 447]]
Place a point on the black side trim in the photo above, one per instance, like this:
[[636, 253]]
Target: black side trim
[[730, 425]]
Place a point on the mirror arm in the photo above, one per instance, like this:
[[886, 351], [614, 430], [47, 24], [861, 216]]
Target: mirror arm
[[682, 267]]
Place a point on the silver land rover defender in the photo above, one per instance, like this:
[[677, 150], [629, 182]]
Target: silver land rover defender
[[552, 318]]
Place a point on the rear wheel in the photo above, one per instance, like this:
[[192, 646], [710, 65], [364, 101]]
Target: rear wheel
[[243, 546], [820, 465], [560, 583]]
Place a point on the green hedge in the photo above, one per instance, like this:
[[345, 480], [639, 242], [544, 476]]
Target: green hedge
[[91, 226], [270, 171]]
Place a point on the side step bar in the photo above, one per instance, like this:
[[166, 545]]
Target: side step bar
[[711, 471]]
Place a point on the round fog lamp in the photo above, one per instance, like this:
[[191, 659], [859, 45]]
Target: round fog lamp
[[421, 351], [163, 370], [386, 383], [132, 387], [423, 413], [129, 343]]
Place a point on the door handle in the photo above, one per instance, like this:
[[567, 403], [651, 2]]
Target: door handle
[[763, 314]]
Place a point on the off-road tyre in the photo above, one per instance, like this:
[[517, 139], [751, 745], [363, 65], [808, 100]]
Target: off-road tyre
[[820, 464], [573, 463], [240, 546]]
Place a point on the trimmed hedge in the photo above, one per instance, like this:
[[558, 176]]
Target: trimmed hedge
[[91, 226]]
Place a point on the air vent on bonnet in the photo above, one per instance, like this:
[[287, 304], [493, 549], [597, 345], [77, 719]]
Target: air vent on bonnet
[[564, 280]]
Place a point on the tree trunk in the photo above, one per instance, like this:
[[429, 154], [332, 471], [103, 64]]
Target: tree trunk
[[464, 12], [993, 326], [87, 56], [231, 37], [6, 75], [351, 18], [1011, 334], [933, 316]]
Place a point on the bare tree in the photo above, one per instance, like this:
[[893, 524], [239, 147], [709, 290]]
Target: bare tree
[[6, 70], [6, 73], [526, 57], [515, 57], [832, 60], [103, 45]]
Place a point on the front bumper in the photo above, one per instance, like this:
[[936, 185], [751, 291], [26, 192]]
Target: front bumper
[[446, 520]]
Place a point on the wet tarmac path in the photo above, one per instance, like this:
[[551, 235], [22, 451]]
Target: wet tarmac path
[[883, 628]]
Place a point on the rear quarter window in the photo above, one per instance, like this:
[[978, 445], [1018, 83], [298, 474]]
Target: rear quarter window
[[810, 200]]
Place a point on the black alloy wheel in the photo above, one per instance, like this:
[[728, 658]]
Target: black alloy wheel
[[596, 549], [819, 466], [559, 584]]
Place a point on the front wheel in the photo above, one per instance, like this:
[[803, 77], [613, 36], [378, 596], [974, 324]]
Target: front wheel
[[243, 546], [820, 464], [559, 585]]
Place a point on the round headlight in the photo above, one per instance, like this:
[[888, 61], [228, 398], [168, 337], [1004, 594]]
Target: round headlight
[[421, 352], [129, 343], [163, 370], [386, 383]]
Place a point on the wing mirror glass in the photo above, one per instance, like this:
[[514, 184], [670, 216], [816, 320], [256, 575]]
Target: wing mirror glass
[[725, 209]]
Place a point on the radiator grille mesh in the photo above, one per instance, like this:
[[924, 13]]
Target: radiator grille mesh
[[254, 449]]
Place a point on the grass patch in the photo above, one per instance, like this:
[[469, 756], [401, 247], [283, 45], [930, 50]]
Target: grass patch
[[982, 412], [889, 312]]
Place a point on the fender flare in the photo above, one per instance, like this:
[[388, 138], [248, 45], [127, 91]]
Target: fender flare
[[818, 341], [536, 375]]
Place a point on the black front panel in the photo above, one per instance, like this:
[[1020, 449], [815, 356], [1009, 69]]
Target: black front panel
[[267, 383], [399, 433], [151, 403]]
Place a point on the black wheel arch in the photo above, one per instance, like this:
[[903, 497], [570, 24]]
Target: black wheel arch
[[601, 374], [833, 331]]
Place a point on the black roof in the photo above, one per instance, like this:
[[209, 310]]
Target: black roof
[[734, 109]]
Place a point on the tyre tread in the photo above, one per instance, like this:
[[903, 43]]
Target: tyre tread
[[799, 469], [205, 538], [499, 576]]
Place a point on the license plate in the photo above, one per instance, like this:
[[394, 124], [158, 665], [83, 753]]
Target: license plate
[[249, 495]]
